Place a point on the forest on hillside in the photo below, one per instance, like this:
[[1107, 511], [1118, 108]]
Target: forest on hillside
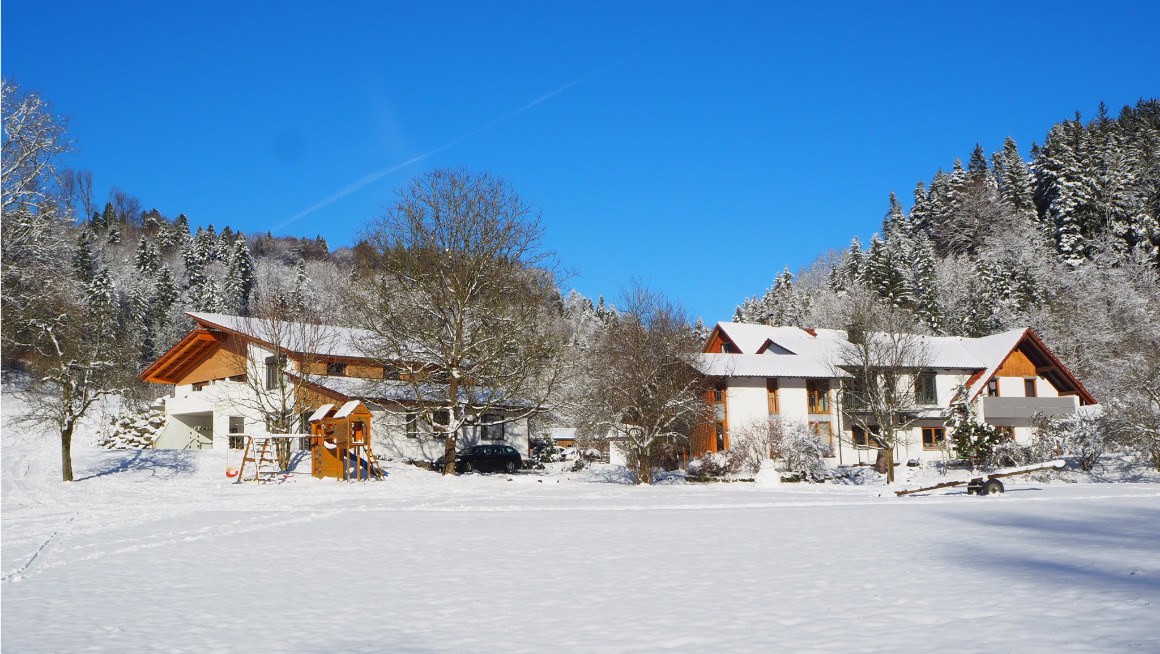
[[1067, 242]]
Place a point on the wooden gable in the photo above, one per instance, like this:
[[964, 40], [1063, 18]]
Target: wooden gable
[[201, 356], [717, 342], [1017, 365], [1031, 358]]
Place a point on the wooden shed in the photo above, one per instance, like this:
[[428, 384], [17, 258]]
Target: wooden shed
[[340, 442]]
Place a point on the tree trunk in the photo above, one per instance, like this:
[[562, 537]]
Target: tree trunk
[[884, 464], [66, 469], [449, 455]]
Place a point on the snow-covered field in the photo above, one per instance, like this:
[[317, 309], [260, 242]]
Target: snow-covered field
[[156, 551]]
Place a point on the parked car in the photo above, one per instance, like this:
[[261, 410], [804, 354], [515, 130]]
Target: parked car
[[485, 458]]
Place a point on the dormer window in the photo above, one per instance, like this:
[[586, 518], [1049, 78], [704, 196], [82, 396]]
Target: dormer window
[[728, 348], [335, 369]]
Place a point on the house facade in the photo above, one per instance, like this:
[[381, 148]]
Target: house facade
[[237, 375], [793, 374]]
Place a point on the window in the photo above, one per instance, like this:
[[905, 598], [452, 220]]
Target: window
[[720, 437], [390, 372], [237, 426], [1008, 432], [274, 366], [933, 437], [238, 378], [863, 438], [412, 425], [1029, 387], [823, 431], [818, 395], [993, 387], [335, 369], [924, 388], [490, 428], [727, 348], [198, 386], [771, 395]]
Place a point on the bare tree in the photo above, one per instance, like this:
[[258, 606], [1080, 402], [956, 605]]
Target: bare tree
[[643, 384], [35, 224], [1137, 412], [460, 303], [35, 140], [74, 364], [879, 363]]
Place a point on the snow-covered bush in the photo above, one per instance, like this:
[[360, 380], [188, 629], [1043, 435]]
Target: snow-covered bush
[[753, 443], [1009, 453], [792, 443], [716, 464], [801, 451], [1085, 435]]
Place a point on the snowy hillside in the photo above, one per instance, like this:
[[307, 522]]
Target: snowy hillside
[[156, 551]]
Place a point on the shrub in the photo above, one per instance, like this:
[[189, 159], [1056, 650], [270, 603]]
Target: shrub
[[802, 451], [716, 464], [1086, 436]]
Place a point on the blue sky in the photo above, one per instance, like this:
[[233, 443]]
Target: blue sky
[[698, 147]]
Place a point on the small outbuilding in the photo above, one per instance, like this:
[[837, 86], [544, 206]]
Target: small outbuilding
[[340, 442]]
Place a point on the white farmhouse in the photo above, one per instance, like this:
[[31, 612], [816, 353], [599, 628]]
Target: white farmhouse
[[794, 374], [230, 373]]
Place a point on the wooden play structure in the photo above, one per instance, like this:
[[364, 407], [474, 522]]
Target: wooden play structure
[[340, 443], [259, 462]]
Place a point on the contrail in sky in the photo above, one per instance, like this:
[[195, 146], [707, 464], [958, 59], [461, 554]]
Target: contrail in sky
[[379, 174]]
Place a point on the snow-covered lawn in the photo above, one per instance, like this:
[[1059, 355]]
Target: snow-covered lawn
[[156, 551]]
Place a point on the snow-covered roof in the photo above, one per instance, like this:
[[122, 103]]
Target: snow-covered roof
[[347, 409], [321, 412], [814, 353], [320, 340], [764, 365]]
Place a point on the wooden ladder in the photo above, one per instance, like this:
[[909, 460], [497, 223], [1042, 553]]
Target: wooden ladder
[[373, 463], [265, 470], [356, 450]]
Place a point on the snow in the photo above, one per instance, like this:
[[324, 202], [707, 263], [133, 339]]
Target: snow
[[347, 409], [157, 550]]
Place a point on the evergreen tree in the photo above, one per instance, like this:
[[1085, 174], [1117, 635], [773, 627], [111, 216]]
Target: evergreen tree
[[108, 217], [853, 263], [977, 168], [298, 298], [926, 294], [146, 259], [239, 281], [1016, 184], [84, 258], [886, 273]]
